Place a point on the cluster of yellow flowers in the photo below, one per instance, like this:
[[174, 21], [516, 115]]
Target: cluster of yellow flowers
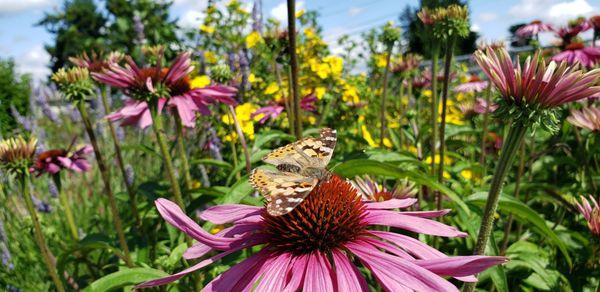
[[243, 113]]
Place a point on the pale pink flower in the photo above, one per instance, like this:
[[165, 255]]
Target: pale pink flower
[[481, 106], [473, 85], [135, 112], [140, 83], [591, 213], [537, 83], [578, 53], [587, 118], [533, 29], [313, 247]]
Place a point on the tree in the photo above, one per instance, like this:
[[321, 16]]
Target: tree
[[77, 27], [14, 92]]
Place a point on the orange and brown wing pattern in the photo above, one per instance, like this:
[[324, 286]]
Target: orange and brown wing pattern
[[282, 190]]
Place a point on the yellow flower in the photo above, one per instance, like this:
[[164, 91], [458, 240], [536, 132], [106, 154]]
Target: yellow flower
[[312, 120], [427, 93], [200, 81], [217, 229], [207, 29], [309, 32], [299, 13], [251, 78], [350, 94], [412, 149], [320, 92], [446, 175], [367, 136], [387, 143], [210, 57], [252, 39], [336, 63], [447, 160], [196, 184], [272, 88], [243, 113], [466, 174], [380, 60]]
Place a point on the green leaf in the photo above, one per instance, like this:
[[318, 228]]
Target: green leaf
[[125, 277], [212, 162], [254, 158], [526, 215], [262, 139], [352, 168]]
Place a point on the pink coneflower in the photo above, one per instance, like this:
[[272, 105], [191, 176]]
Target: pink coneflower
[[537, 83], [568, 33], [275, 109], [475, 84], [370, 190], [170, 83], [481, 106], [420, 82], [53, 161], [135, 112], [96, 63], [587, 118], [591, 213], [533, 29], [578, 53], [312, 247]]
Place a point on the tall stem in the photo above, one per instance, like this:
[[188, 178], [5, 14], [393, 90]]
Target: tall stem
[[485, 132], [106, 180], [64, 201], [120, 164], [291, 10], [434, 104], [509, 149], [161, 139], [241, 137], [182, 153], [37, 231], [384, 94], [447, 68], [509, 223]]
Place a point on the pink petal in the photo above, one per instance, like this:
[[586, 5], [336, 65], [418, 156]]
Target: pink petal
[[460, 266], [296, 273], [348, 277], [411, 223], [222, 214], [238, 275], [427, 214], [186, 109], [274, 275], [318, 274], [391, 204]]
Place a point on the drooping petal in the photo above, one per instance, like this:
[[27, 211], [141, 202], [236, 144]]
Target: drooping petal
[[391, 204], [222, 214], [460, 266], [240, 274], [411, 223], [348, 277]]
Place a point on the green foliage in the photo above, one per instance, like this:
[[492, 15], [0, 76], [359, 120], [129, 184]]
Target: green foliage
[[14, 92]]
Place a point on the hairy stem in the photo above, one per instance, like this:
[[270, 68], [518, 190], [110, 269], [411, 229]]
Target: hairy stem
[[384, 95], [434, 104], [182, 153], [64, 201], [447, 68], [291, 10]]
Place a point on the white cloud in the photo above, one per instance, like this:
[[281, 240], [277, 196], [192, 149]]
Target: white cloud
[[279, 12], [13, 6], [353, 11], [475, 27], [487, 16], [191, 19], [553, 11], [34, 62]]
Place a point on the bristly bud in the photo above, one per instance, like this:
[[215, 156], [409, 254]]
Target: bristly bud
[[451, 21], [390, 35], [16, 154], [129, 175], [74, 83], [221, 73]]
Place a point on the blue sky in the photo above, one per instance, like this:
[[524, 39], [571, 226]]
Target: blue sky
[[23, 41]]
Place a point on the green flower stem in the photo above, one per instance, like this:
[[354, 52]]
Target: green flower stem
[[485, 133], [510, 220], [241, 137], [509, 149], [37, 231], [106, 180], [384, 95], [434, 105], [447, 68], [64, 201], [291, 11], [120, 164], [161, 139], [182, 153]]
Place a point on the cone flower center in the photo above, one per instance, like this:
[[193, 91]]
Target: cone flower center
[[330, 216], [575, 46], [179, 87]]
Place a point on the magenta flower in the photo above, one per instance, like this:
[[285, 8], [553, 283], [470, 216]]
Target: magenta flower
[[578, 53], [537, 83], [474, 85], [312, 248], [587, 118], [533, 29], [481, 106], [568, 33], [591, 213], [53, 161], [370, 190], [275, 109], [170, 83]]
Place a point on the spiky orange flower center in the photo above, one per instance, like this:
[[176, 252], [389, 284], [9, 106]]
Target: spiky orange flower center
[[575, 46], [180, 87], [331, 215]]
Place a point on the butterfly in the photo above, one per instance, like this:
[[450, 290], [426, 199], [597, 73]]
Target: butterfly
[[300, 167]]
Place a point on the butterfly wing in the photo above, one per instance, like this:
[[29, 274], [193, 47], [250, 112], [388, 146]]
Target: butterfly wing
[[282, 190], [308, 152]]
